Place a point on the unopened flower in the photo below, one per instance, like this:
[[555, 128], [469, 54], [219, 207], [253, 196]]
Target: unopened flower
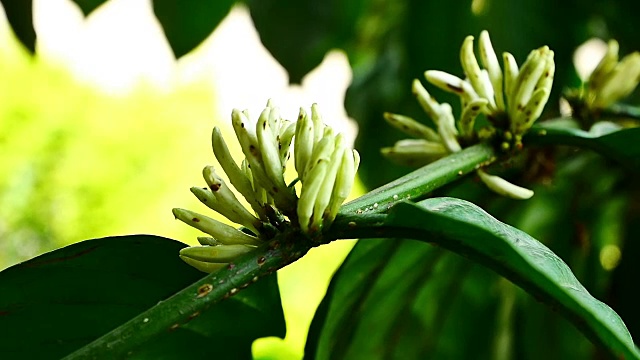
[[611, 80], [517, 94], [511, 100], [326, 170]]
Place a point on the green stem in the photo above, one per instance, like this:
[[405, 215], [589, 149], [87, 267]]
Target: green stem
[[419, 183], [180, 308], [279, 252]]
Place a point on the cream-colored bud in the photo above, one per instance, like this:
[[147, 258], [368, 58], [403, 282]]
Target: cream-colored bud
[[429, 105], [226, 202], [326, 189], [344, 182], [622, 80], [473, 72], [469, 114], [510, 75], [269, 151], [216, 254], [447, 128], [602, 71], [236, 176], [303, 142], [490, 62], [503, 187], [452, 84], [203, 266], [411, 127], [222, 232], [415, 152], [318, 125]]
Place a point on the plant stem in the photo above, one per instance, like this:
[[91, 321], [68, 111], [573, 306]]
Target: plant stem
[[180, 308], [284, 249], [419, 183]]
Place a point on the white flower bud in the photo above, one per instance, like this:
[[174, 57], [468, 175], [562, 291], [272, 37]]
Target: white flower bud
[[269, 150], [430, 106], [469, 114], [490, 62], [503, 187], [215, 254], [344, 182], [411, 127], [236, 176], [222, 232], [510, 75], [415, 152], [473, 72], [452, 84], [326, 189], [447, 129], [203, 265], [601, 73], [303, 142], [226, 202]]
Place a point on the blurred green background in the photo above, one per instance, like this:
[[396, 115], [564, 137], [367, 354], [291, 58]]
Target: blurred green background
[[78, 161]]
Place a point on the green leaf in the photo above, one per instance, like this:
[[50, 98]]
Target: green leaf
[[298, 33], [405, 300], [621, 145], [62, 300], [187, 23], [87, 6], [388, 274], [468, 230], [20, 16]]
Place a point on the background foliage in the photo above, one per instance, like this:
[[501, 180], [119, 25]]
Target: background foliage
[[585, 205]]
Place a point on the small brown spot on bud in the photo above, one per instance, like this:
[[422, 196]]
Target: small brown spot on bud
[[195, 219], [204, 290], [264, 125], [455, 88], [475, 108], [215, 187], [231, 266], [261, 260], [242, 125]]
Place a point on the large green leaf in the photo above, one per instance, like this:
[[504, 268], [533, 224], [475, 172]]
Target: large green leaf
[[187, 23], [405, 300], [20, 16], [298, 33], [469, 230], [62, 300], [466, 229], [621, 145]]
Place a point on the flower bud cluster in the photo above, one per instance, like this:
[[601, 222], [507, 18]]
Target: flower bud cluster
[[326, 170], [611, 80], [511, 100]]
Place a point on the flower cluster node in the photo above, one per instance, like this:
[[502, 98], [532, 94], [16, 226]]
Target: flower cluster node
[[325, 169], [511, 100]]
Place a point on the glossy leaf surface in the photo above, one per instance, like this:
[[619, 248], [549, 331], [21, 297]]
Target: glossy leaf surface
[[62, 300]]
